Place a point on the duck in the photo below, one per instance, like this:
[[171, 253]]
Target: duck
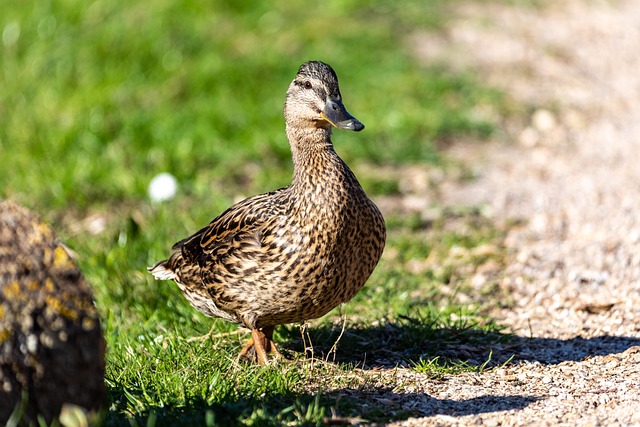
[[293, 254]]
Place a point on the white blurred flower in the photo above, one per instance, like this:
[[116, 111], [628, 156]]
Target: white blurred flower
[[162, 187]]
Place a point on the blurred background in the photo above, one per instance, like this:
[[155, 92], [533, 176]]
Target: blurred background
[[99, 97]]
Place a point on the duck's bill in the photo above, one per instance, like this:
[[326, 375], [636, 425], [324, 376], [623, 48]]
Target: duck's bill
[[335, 113]]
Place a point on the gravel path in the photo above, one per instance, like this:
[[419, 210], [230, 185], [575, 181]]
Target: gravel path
[[573, 176]]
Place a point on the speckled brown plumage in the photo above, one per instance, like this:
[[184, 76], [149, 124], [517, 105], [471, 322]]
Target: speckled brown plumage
[[295, 253], [51, 345]]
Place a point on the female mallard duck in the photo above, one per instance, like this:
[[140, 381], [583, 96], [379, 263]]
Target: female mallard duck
[[295, 253]]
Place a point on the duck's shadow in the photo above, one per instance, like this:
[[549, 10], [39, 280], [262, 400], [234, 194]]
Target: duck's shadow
[[405, 343], [409, 341], [371, 406]]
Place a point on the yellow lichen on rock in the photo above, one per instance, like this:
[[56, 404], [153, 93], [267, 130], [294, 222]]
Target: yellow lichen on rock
[[51, 345]]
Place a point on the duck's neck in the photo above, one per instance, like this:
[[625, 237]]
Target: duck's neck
[[314, 160]]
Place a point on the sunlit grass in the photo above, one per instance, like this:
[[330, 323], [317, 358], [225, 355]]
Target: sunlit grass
[[196, 89]]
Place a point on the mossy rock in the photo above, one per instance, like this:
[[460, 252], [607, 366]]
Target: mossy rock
[[51, 344]]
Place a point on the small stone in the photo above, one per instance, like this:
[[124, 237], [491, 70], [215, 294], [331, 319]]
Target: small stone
[[529, 137], [544, 120]]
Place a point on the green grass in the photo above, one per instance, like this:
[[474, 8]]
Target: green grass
[[99, 97], [196, 89]]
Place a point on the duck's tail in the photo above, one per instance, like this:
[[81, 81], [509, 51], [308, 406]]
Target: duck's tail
[[162, 270]]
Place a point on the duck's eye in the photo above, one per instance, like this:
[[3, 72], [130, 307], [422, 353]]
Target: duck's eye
[[307, 85]]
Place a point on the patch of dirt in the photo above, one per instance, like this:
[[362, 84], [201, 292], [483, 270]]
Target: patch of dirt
[[572, 175]]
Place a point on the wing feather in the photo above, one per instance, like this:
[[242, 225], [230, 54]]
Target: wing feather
[[238, 228]]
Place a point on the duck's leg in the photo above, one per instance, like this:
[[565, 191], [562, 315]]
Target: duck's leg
[[255, 349], [248, 352], [270, 345], [260, 344]]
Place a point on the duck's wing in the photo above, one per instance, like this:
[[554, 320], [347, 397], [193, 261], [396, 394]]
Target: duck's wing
[[237, 232]]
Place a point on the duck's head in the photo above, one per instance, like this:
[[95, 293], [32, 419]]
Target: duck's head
[[314, 100]]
